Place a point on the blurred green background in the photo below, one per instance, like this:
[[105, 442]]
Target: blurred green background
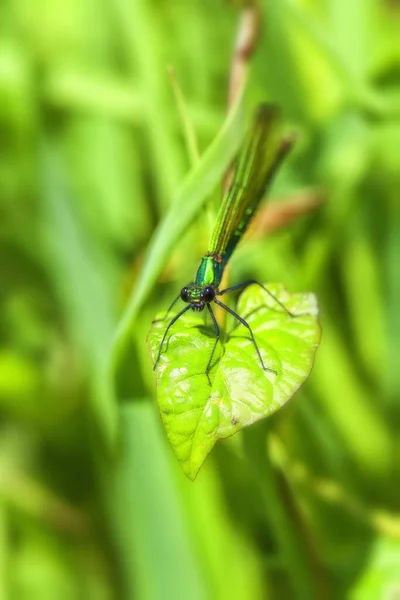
[[93, 503]]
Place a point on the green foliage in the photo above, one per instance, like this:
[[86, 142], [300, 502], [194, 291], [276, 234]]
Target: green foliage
[[196, 415], [102, 222]]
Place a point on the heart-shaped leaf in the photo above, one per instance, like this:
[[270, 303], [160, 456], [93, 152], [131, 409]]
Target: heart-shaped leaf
[[195, 414]]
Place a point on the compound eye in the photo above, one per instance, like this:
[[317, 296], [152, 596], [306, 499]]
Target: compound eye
[[208, 294], [185, 294]]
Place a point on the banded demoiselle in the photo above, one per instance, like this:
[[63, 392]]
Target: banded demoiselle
[[262, 153]]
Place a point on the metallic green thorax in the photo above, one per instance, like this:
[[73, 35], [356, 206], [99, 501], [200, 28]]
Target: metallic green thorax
[[262, 153], [209, 271]]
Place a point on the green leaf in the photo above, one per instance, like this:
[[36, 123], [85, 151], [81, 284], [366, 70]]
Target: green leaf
[[195, 414]]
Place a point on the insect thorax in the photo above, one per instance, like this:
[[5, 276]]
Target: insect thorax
[[210, 271]]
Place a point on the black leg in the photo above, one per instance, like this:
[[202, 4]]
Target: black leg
[[245, 323], [246, 284], [166, 331], [217, 334], [167, 313]]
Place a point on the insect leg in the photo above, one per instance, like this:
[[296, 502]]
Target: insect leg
[[245, 323], [246, 284], [186, 308], [168, 311], [217, 334]]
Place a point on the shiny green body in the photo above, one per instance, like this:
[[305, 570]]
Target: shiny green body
[[261, 155], [210, 271]]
